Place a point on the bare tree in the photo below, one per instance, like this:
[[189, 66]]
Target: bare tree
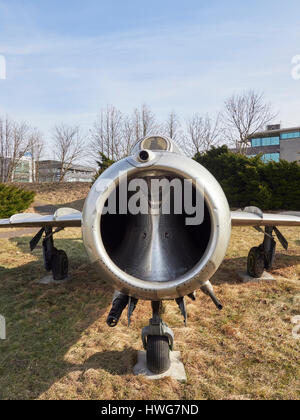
[[172, 126], [172, 129], [245, 114], [69, 147], [5, 140], [36, 148], [128, 135], [114, 134], [106, 135], [202, 133], [14, 144], [144, 122]]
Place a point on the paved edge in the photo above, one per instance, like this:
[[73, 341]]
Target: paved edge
[[248, 279], [176, 371]]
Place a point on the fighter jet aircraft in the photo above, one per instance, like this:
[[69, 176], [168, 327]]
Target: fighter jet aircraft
[[151, 251]]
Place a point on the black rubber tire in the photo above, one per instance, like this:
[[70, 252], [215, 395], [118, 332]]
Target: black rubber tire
[[158, 354], [60, 265], [256, 263]]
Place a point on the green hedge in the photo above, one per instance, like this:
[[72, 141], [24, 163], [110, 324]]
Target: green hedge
[[250, 181], [14, 200], [104, 163]]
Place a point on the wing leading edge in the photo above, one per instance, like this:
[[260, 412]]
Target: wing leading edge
[[64, 217], [258, 218]]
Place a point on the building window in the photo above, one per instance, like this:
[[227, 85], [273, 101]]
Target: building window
[[268, 157], [293, 135], [265, 141], [271, 141], [256, 142]]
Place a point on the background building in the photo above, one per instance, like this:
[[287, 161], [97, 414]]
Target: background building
[[24, 171], [49, 171], [276, 143], [43, 171]]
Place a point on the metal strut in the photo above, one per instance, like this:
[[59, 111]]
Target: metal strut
[[157, 327], [54, 259], [263, 256], [48, 232], [131, 307], [48, 248], [182, 306]]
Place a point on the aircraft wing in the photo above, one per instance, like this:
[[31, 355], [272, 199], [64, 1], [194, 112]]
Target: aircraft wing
[[63, 217], [66, 217], [253, 216]]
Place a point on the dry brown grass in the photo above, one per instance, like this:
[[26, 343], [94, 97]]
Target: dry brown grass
[[66, 194], [59, 346]]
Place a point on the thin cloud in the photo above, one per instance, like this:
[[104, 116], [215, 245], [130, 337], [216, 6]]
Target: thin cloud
[[188, 67]]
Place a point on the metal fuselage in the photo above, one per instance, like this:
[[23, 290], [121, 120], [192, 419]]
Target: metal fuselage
[[155, 256]]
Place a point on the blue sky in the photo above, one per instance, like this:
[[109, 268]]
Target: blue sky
[[67, 59]]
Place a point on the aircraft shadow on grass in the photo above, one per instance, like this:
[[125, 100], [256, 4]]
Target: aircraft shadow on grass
[[44, 322]]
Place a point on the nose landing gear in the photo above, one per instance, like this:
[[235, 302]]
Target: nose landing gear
[[157, 337], [158, 341]]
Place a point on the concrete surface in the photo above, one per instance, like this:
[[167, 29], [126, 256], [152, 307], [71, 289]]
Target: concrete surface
[[18, 233], [248, 279], [50, 280], [44, 209], [176, 370]]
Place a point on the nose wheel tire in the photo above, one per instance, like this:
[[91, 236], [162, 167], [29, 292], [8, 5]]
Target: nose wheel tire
[[158, 354], [256, 263]]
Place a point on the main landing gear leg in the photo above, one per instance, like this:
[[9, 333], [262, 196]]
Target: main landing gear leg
[[262, 258], [54, 260]]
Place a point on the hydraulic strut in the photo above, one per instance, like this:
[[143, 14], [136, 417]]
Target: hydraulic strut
[[54, 260]]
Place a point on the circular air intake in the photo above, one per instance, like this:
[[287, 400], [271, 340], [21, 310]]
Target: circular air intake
[[153, 254], [155, 247]]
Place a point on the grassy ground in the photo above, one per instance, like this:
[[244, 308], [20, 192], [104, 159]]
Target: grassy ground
[[59, 347], [66, 194]]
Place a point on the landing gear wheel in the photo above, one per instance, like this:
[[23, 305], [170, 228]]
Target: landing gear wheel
[[256, 263], [158, 354], [60, 265]]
